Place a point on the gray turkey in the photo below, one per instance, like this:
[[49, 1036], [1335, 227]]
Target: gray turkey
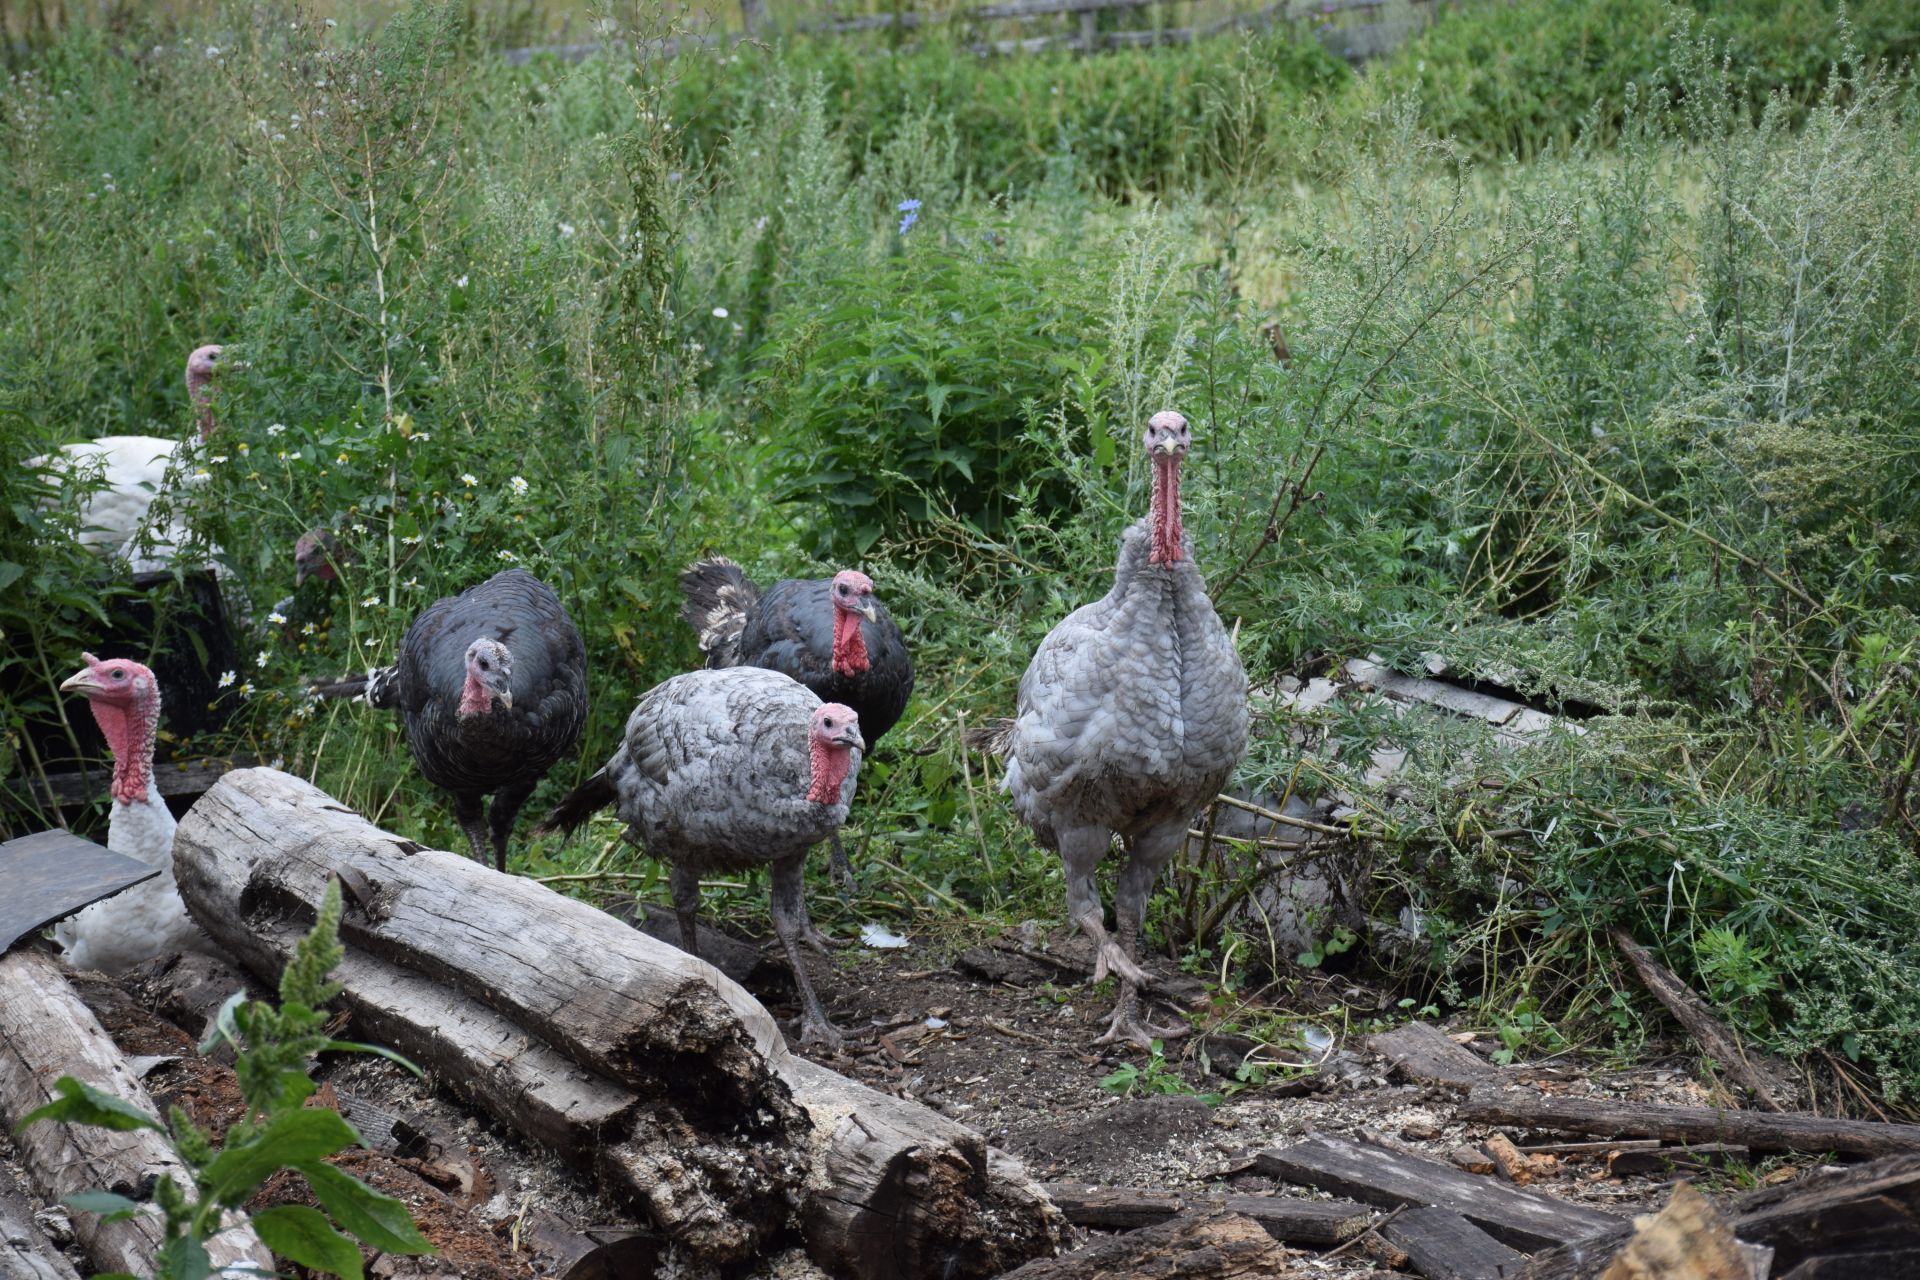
[[724, 770], [830, 634], [1132, 715], [492, 688]]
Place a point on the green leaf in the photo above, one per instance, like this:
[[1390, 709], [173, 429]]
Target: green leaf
[[222, 1027], [184, 1258], [303, 1235], [113, 1208], [288, 1140], [81, 1103], [9, 573], [380, 1221]]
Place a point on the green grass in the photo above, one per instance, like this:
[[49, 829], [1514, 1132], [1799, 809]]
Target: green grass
[[1619, 397]]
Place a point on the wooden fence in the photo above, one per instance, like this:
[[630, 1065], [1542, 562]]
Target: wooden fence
[[1351, 29]]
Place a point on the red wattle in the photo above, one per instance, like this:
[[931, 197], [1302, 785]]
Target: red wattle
[[475, 700], [130, 733], [830, 765], [1165, 512], [849, 646]]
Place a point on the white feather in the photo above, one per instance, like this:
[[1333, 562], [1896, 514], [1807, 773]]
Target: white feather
[[145, 921]]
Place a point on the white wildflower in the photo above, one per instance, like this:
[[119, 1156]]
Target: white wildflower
[[213, 51], [507, 555], [566, 231], [277, 618], [308, 629], [468, 479], [461, 283], [227, 678], [370, 602], [519, 486], [719, 313], [277, 429], [261, 658], [217, 458]]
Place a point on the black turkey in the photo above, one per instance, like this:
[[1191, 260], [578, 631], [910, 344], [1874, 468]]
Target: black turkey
[[724, 770], [830, 634], [492, 687], [1133, 713]]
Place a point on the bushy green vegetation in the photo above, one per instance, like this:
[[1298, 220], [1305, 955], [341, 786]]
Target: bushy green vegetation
[[1631, 421]]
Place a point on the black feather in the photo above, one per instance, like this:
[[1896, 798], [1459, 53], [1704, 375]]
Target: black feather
[[579, 804]]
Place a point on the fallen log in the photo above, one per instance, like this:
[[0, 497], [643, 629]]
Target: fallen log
[[1192, 1247], [1716, 1040], [1379, 1175], [1864, 1221], [684, 1100], [1442, 1245], [1295, 1221], [46, 1033], [1619, 1118], [1676, 1160], [1423, 1053], [25, 1251]]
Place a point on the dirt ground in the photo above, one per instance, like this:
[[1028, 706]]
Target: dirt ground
[[1010, 1055]]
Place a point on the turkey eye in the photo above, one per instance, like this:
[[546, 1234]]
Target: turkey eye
[[828, 723], [119, 675]]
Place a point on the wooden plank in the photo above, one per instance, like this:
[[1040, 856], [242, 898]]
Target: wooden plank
[[83, 786], [1618, 1118], [1379, 1175], [1675, 1160], [1442, 1245], [1422, 1052], [52, 874], [1194, 1247], [1314, 1222], [1715, 1038]]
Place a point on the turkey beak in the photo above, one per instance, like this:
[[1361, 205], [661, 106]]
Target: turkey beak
[[869, 612], [81, 682], [505, 698], [849, 736]]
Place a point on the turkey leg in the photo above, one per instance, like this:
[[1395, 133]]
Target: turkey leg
[[839, 866], [469, 810], [1081, 849], [1151, 852], [506, 808], [790, 922], [684, 884]]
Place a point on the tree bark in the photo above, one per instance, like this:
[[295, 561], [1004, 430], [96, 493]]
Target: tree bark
[[1716, 1040], [46, 1033], [1760, 1130], [25, 1251]]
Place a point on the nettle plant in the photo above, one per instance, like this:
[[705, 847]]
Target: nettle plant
[[277, 1132]]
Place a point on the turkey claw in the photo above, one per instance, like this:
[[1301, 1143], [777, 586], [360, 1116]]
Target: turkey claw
[[824, 945], [819, 1034], [1109, 957], [1129, 1027]]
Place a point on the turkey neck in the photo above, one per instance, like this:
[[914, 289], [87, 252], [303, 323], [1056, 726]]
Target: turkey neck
[[1165, 512], [849, 646], [475, 698], [130, 732], [830, 765]]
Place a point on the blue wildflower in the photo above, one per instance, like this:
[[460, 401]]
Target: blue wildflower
[[910, 214]]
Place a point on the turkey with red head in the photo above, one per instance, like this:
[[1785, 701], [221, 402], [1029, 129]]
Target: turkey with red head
[[830, 634], [725, 770], [148, 919], [491, 685], [1132, 715]]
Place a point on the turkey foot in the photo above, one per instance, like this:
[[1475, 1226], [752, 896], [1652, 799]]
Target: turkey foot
[[790, 922], [821, 943], [1127, 1025], [469, 812], [1110, 957]]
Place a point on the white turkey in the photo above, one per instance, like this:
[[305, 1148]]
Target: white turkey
[[830, 634], [492, 687], [1132, 715], [148, 919], [133, 470], [725, 770]]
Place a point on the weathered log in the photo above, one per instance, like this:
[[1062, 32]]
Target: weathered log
[[1670, 1160], [1442, 1245], [898, 1189], [683, 1099], [1716, 1040], [1687, 1240], [46, 1033], [1375, 1174], [25, 1251], [1422, 1052], [1315, 1222], [1192, 1247], [1618, 1118], [1860, 1222]]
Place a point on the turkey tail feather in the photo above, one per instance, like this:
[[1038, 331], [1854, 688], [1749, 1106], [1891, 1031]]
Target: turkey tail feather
[[719, 596], [376, 688], [579, 804], [993, 737]]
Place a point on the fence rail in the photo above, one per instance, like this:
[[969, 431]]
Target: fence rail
[[1355, 41]]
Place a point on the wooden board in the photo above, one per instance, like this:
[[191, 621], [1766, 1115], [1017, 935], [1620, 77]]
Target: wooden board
[[1314, 1222], [1442, 1245], [1379, 1175], [52, 874], [1192, 1247], [1618, 1118], [1422, 1052], [70, 790]]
